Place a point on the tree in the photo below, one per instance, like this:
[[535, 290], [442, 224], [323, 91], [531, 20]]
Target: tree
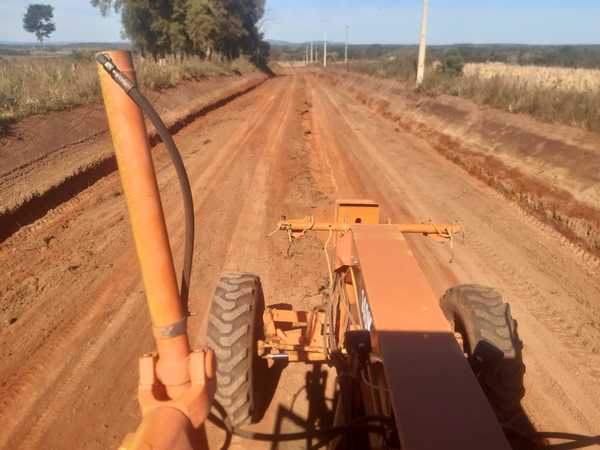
[[202, 25], [38, 20], [105, 5], [226, 28], [453, 63], [147, 24], [180, 41]]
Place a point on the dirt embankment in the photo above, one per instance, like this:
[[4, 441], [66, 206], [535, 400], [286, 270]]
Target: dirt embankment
[[47, 159], [551, 170]]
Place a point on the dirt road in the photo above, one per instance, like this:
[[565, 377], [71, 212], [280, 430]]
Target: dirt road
[[72, 308]]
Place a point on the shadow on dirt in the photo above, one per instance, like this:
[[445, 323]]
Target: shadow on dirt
[[521, 433], [322, 413], [575, 440], [7, 127], [264, 378], [319, 415], [525, 437], [39, 205], [264, 68]]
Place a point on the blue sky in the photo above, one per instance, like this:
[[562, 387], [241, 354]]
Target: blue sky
[[370, 21], [75, 20]]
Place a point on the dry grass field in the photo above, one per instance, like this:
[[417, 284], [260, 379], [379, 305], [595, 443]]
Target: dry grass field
[[552, 94], [34, 85], [559, 78]]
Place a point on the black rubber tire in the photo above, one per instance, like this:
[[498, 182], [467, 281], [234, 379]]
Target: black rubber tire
[[491, 343], [232, 335]]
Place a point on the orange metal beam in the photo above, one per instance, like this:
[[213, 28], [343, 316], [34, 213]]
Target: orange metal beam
[[307, 224], [436, 398], [149, 230]]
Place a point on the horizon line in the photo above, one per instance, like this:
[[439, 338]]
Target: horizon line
[[283, 41]]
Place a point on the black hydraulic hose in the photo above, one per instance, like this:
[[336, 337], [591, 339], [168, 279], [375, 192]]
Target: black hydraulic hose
[[186, 190], [184, 182]]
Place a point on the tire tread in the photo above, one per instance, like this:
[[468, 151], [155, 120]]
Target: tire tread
[[231, 335], [486, 318]]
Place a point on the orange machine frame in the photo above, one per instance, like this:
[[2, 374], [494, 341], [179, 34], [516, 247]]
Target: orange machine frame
[[436, 399], [425, 381]]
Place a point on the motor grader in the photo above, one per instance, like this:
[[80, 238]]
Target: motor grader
[[413, 372]]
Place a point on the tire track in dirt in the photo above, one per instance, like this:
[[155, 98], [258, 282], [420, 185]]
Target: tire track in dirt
[[555, 325], [208, 177], [567, 325], [215, 172], [529, 197], [37, 204], [283, 185], [356, 173], [253, 211]]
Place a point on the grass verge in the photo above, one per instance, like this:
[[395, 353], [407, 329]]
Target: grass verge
[[31, 85], [566, 106]]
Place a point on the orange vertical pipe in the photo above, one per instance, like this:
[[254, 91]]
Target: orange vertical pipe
[[146, 216]]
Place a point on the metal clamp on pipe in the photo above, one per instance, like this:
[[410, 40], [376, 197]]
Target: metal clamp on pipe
[[105, 61]]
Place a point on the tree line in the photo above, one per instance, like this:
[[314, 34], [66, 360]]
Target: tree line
[[575, 56], [210, 28]]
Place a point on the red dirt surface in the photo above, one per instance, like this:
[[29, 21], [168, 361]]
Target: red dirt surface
[[41, 152], [551, 170], [72, 307]]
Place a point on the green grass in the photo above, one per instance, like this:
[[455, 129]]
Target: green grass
[[31, 85], [569, 107]]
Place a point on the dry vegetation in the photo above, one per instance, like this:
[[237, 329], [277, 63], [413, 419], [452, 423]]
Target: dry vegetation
[[559, 78], [38, 85], [572, 100], [556, 95]]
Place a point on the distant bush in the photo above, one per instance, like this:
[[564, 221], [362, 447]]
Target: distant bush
[[453, 63]]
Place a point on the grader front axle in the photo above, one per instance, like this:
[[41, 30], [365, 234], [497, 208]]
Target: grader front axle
[[304, 336]]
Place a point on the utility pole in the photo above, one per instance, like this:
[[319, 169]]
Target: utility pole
[[306, 56], [423, 44], [346, 49], [325, 49], [312, 53]]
